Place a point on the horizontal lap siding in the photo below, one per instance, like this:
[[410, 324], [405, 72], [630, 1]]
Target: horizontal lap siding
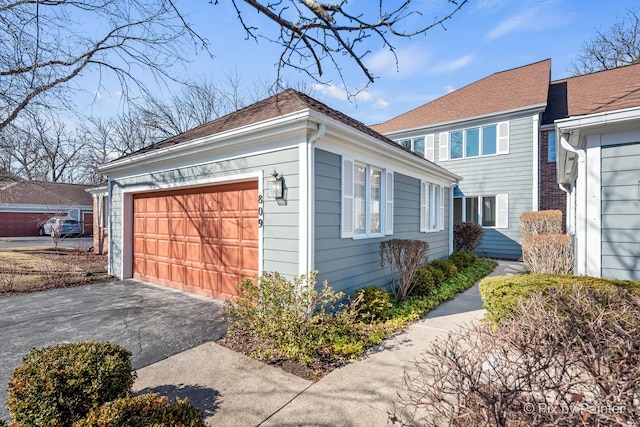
[[502, 174], [349, 264], [620, 228], [280, 230]]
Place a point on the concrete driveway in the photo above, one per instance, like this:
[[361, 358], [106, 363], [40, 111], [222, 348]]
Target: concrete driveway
[[153, 322]]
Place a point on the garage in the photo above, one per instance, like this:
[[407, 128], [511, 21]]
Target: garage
[[202, 240]]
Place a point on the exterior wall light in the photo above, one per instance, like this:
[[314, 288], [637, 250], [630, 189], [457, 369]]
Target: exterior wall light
[[275, 187]]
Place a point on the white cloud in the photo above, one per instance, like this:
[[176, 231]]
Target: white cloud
[[338, 92], [381, 104], [411, 59], [449, 88], [538, 16], [450, 66], [97, 95]]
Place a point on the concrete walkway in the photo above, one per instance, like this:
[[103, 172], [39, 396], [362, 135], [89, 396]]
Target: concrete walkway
[[235, 390]]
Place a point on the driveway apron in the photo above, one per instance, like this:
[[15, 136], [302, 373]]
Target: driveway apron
[[151, 321]]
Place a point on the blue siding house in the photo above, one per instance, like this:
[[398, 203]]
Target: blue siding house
[[286, 184], [488, 133]]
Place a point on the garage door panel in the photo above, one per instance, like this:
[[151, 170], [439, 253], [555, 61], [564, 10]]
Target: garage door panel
[[250, 229], [203, 240], [229, 228]]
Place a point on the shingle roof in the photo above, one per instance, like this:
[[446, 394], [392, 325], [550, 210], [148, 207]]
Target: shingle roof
[[598, 92], [509, 90], [281, 104], [45, 193]]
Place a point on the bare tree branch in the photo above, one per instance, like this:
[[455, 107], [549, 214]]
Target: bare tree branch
[[616, 47], [312, 33], [44, 44]]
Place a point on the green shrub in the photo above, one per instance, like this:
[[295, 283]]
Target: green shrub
[[371, 302], [425, 281], [436, 273], [301, 322], [501, 294], [467, 236], [448, 268], [56, 386], [463, 259], [142, 411]]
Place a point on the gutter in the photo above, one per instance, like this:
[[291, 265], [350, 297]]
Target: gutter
[[310, 249]]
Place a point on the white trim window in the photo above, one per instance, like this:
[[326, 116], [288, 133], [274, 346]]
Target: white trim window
[[366, 200], [415, 144], [475, 142], [431, 207], [488, 211]]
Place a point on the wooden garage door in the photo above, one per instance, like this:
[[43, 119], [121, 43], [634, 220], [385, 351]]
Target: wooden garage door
[[202, 240]]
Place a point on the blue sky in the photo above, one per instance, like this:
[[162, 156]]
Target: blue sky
[[485, 37]]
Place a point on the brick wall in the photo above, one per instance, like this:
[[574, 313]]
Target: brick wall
[[551, 196]]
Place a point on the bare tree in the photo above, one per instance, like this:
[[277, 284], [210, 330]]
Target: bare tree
[[196, 104], [617, 46], [313, 33], [40, 148], [45, 44]]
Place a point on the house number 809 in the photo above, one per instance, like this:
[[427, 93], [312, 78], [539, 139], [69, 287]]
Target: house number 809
[[260, 211]]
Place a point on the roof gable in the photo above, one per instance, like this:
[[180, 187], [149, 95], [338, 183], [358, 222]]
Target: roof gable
[[598, 92], [284, 103], [25, 192], [509, 90]]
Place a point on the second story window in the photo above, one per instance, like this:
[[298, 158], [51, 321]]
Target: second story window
[[414, 144], [551, 148], [475, 142]]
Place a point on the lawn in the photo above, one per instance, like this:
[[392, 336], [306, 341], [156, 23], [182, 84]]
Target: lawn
[[27, 270]]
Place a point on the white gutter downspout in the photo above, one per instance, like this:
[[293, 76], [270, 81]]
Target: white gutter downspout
[[580, 237], [310, 223]]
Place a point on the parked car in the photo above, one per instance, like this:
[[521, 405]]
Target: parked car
[[65, 225]]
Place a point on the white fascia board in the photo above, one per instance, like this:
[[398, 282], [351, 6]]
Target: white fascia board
[[350, 141], [578, 128], [469, 121], [97, 191], [249, 136], [590, 121]]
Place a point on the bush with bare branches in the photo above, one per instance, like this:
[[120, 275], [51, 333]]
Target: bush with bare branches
[[570, 358], [404, 258], [467, 236], [548, 253], [541, 222]]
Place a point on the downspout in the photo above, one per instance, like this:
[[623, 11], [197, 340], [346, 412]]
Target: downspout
[[108, 213], [322, 129], [580, 206]]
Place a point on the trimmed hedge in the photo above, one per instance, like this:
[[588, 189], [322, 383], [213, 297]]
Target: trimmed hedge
[[501, 294], [541, 222], [56, 386], [144, 411]]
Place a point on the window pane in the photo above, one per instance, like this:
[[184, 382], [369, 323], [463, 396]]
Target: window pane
[[375, 181], [457, 210], [473, 143], [359, 199], [418, 146], [406, 143], [552, 147], [456, 145], [472, 210], [489, 211], [488, 140]]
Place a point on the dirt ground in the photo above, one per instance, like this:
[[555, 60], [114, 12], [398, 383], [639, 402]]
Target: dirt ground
[[27, 270]]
